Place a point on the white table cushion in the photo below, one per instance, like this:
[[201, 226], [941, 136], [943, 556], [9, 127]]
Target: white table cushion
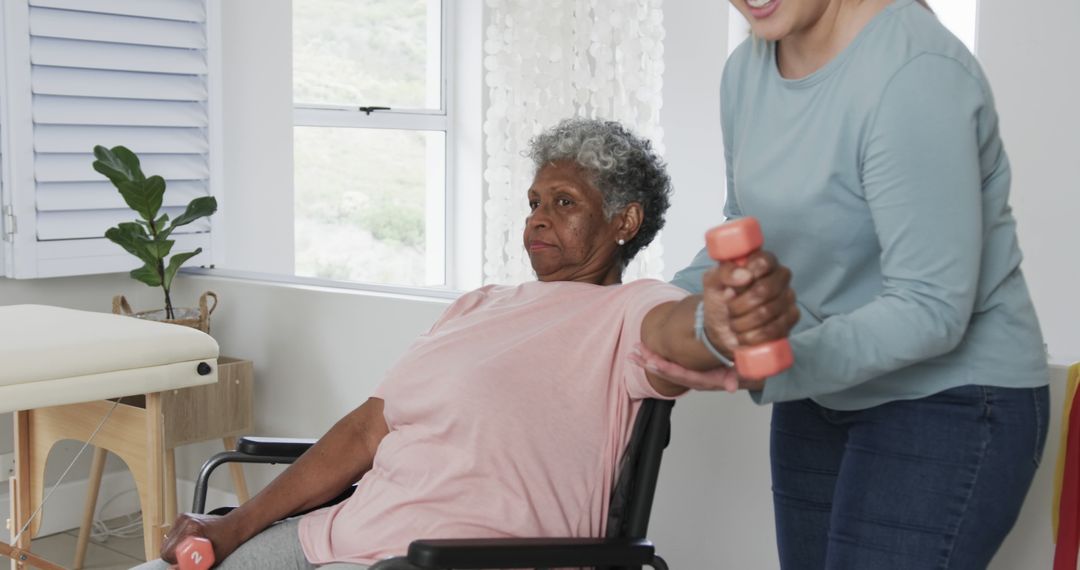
[[51, 356]]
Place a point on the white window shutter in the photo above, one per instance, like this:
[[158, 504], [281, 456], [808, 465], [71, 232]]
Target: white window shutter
[[137, 73]]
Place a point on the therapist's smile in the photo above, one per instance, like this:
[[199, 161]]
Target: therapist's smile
[[761, 9]]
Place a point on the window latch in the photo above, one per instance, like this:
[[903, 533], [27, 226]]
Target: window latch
[[369, 110], [9, 223]]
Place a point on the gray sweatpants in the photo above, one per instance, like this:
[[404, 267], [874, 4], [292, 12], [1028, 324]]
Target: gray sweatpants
[[277, 547]]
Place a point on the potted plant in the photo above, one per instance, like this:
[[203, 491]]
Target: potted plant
[[148, 237]]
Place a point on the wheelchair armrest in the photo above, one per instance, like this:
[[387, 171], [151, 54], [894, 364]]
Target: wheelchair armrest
[[529, 553], [249, 450], [274, 446]]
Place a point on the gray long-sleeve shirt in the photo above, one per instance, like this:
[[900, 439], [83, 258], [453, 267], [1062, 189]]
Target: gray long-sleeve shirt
[[881, 181]]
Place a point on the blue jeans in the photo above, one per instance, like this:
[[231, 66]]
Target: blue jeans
[[933, 483]]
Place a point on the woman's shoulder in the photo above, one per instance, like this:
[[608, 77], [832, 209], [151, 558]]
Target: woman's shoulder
[[908, 36], [925, 30]]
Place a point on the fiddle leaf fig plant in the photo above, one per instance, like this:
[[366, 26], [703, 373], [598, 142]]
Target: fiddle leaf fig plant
[[147, 238]]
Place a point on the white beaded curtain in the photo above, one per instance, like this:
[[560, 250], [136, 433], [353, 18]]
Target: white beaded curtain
[[552, 59]]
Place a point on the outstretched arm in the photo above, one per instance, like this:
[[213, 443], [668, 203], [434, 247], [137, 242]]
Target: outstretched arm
[[336, 461], [743, 306]]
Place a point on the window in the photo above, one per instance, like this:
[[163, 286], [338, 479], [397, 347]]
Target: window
[[372, 130], [381, 195]]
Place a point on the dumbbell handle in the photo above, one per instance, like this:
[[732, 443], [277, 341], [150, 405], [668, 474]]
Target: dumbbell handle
[[195, 553], [733, 242]]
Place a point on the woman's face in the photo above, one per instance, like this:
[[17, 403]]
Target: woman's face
[[567, 236], [774, 20]]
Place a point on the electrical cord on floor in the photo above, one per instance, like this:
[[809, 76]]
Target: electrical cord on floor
[[124, 526]]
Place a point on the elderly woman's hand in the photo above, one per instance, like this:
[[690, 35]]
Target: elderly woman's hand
[[750, 304], [210, 527]]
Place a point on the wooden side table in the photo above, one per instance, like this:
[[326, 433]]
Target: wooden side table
[[188, 415]]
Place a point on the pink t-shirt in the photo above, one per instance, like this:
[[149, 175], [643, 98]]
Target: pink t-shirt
[[507, 419]]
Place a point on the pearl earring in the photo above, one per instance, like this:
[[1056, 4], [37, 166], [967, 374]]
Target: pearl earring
[[621, 242]]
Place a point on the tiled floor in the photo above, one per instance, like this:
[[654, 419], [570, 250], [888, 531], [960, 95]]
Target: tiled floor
[[114, 554]]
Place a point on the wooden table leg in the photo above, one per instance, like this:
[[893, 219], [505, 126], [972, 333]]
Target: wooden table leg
[[170, 486], [93, 487], [237, 469], [13, 508], [20, 487], [12, 493], [154, 507], [21, 502]]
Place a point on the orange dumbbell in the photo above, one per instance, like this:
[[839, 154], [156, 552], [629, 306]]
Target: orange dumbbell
[[733, 242], [195, 554]]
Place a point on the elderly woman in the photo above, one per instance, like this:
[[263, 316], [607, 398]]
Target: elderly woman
[[509, 416]]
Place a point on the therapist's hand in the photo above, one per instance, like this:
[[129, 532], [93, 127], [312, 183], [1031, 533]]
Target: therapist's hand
[[716, 379], [748, 305], [744, 305]]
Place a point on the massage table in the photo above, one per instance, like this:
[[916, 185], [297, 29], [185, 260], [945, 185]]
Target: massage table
[[95, 378]]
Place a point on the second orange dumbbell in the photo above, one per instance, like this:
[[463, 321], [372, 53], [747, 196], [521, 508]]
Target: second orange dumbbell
[[195, 554]]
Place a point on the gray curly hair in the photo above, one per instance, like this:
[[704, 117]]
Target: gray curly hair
[[621, 165]]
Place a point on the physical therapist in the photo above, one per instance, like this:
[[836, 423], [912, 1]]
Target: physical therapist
[[863, 136]]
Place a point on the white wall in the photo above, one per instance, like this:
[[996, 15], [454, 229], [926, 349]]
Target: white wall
[[318, 353], [258, 136], [695, 47], [1030, 57]]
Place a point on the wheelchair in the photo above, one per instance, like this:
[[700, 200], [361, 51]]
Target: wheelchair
[[624, 546]]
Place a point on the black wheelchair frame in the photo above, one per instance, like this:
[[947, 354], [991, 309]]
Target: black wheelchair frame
[[624, 547]]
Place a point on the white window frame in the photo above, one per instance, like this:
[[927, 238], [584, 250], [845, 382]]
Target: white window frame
[[438, 205], [466, 98]]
